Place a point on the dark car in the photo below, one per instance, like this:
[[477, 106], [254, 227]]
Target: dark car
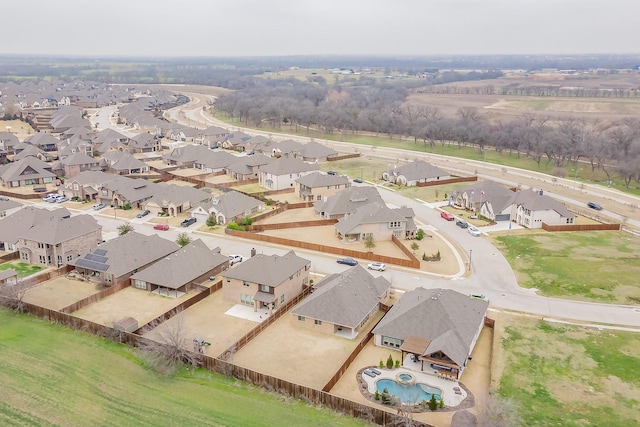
[[332, 172], [358, 180], [594, 205], [142, 213], [347, 261], [462, 224], [187, 222]]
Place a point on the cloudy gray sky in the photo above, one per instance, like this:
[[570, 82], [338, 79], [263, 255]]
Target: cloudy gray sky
[[301, 27]]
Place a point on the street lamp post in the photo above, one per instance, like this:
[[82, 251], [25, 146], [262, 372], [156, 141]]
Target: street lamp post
[[470, 252], [575, 178]]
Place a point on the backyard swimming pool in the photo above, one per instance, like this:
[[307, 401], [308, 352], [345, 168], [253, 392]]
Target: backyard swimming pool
[[413, 393]]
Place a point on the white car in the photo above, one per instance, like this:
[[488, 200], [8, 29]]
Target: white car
[[98, 206], [51, 198], [235, 259], [474, 231], [378, 266]]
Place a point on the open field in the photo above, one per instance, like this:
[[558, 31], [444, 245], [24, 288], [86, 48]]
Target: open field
[[22, 268], [568, 375], [51, 375], [590, 265]]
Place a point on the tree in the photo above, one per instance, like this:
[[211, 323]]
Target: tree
[[124, 228], [169, 347], [415, 246], [183, 239], [420, 234], [496, 411], [12, 296], [211, 221], [369, 242], [390, 362]]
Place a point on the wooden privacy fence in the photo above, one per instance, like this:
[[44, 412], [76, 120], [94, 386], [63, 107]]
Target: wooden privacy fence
[[580, 227], [282, 225], [341, 371], [43, 277], [345, 156], [411, 263], [405, 250], [96, 297], [447, 181], [10, 256]]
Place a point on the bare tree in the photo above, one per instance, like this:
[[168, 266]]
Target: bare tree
[[496, 411], [12, 296], [169, 348]]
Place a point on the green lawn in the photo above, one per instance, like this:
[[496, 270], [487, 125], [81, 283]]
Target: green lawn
[[564, 375], [590, 265], [22, 268], [53, 376]]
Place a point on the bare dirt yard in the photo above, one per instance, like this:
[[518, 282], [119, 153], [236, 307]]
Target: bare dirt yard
[[206, 319], [139, 304], [297, 354], [59, 293]]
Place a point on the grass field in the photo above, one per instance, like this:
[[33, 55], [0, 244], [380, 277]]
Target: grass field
[[53, 376], [563, 375], [596, 265], [22, 268]]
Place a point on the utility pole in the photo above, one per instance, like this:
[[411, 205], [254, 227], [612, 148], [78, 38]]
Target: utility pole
[[470, 252]]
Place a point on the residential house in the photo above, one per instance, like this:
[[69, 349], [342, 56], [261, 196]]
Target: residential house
[[247, 167], [24, 150], [126, 191], [316, 152], [86, 185], [487, 198], [74, 164], [68, 117], [144, 143], [26, 172], [118, 259], [231, 206], [181, 271], [183, 133], [319, 186], [214, 161], [8, 141], [185, 157], [346, 201], [110, 140], [343, 303], [531, 208], [174, 199], [14, 225], [287, 148], [378, 221], [266, 282], [74, 145], [234, 141], [437, 327], [58, 240], [211, 136], [123, 163], [283, 172], [413, 173], [8, 207], [44, 141]]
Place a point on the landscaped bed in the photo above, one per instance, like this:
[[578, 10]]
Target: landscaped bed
[[22, 268]]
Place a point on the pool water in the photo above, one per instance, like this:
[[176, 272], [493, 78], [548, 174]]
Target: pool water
[[412, 394], [405, 377]]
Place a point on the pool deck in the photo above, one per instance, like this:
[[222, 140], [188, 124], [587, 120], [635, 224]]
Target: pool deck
[[452, 393]]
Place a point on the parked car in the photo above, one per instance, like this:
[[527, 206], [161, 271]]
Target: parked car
[[474, 231], [347, 261], [98, 206], [61, 199], [235, 259], [447, 216], [164, 227], [594, 205], [51, 197], [142, 213], [187, 222], [378, 266], [462, 223], [4, 198], [332, 172], [358, 180], [479, 296]]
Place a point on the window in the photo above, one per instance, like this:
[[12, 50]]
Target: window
[[391, 342], [281, 298], [24, 256], [109, 277], [59, 259], [40, 245], [69, 258], [43, 259], [318, 322], [319, 198], [245, 284], [140, 284], [301, 318], [265, 288], [246, 299]]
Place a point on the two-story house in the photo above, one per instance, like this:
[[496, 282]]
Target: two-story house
[[377, 221], [319, 186], [282, 173]]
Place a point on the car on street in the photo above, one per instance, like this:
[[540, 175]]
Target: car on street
[[235, 259], [447, 216], [164, 227], [347, 261], [332, 172], [187, 222], [594, 205], [378, 266], [4, 198], [462, 223], [61, 199], [479, 296], [474, 231], [142, 213], [98, 206], [358, 180]]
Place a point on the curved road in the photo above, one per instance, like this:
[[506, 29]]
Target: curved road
[[491, 273]]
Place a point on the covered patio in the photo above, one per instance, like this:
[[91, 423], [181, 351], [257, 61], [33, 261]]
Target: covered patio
[[414, 349]]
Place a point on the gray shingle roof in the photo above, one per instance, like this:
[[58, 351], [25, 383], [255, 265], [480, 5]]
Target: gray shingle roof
[[269, 270], [447, 318], [288, 165], [27, 168], [59, 230], [347, 201], [319, 179], [182, 266], [315, 150], [371, 213], [418, 170], [344, 299], [233, 203], [535, 201]]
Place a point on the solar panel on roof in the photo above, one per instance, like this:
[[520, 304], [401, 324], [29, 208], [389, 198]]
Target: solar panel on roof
[[97, 258], [100, 252], [92, 265]]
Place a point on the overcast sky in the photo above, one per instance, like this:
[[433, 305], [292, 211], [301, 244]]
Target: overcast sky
[[301, 27]]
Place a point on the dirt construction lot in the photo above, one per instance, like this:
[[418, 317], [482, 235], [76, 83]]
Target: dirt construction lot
[[206, 319], [137, 303], [59, 293], [297, 354]]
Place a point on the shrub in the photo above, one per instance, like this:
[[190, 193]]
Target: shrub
[[433, 403], [389, 362], [247, 220], [376, 396], [127, 206], [234, 226], [420, 234], [397, 363], [415, 246], [381, 363], [441, 404], [211, 221]]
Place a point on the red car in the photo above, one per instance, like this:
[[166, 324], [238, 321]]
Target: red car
[[447, 216], [164, 227]]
